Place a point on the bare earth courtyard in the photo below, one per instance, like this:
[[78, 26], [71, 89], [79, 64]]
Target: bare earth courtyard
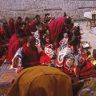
[[86, 34]]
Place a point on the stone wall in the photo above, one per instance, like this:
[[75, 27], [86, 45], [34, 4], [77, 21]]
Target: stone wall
[[74, 8]]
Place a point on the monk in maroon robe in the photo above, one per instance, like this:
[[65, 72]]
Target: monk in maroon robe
[[55, 28], [34, 23], [30, 54], [11, 26], [6, 31], [1, 34], [18, 23], [27, 26]]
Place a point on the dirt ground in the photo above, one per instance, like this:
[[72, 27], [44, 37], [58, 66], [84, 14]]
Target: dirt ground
[[86, 34]]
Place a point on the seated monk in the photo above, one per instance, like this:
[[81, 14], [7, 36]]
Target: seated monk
[[11, 26], [6, 31], [49, 53], [47, 18], [63, 43], [18, 23], [41, 81], [34, 24], [28, 54]]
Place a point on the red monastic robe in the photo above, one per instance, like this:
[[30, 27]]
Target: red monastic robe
[[11, 27], [33, 26], [30, 56], [55, 28], [45, 59], [13, 47]]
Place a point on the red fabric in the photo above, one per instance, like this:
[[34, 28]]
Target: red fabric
[[68, 72], [13, 39], [45, 59], [27, 30], [55, 27], [11, 27], [12, 50], [65, 68], [30, 56], [33, 26], [2, 32], [13, 47], [2, 59], [86, 72], [88, 66], [17, 25]]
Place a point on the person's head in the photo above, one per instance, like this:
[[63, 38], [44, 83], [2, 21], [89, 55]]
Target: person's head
[[31, 41], [68, 20], [27, 20], [21, 36], [5, 24], [19, 20], [78, 28], [70, 61], [75, 30], [68, 24], [38, 19], [47, 17], [47, 40], [43, 29], [65, 14], [65, 35], [88, 53], [22, 26], [11, 21]]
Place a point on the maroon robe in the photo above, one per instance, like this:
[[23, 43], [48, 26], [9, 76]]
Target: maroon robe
[[1, 31], [55, 28], [30, 56], [13, 47], [32, 25], [17, 25], [1, 34], [12, 50], [11, 27], [13, 39]]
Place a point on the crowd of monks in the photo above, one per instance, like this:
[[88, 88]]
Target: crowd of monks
[[49, 41]]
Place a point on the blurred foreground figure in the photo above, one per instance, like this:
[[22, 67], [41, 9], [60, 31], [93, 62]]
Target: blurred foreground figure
[[41, 81]]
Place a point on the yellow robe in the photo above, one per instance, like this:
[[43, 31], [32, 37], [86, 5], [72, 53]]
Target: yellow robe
[[41, 81]]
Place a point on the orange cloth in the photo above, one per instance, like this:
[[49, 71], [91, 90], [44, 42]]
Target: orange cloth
[[41, 81]]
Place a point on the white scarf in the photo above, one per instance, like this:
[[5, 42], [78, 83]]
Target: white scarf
[[62, 54]]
